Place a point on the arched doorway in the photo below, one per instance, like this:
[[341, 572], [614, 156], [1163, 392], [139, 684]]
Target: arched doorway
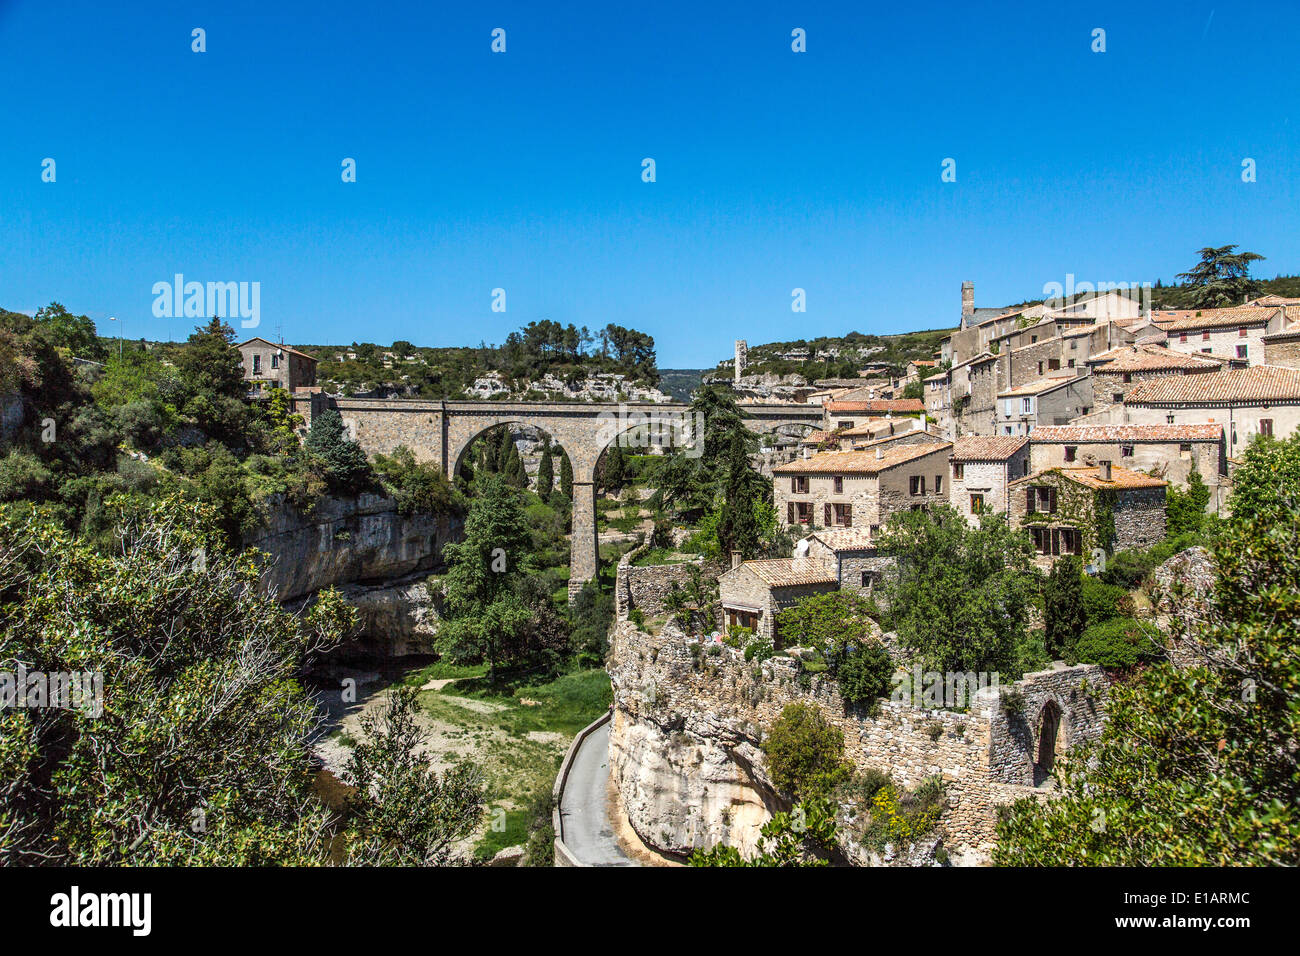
[[1051, 742]]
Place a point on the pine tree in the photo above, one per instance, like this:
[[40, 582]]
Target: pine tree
[[505, 447], [613, 471], [344, 463], [737, 529]]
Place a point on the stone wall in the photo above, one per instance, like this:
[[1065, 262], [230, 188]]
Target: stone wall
[[687, 733], [646, 588], [346, 541]]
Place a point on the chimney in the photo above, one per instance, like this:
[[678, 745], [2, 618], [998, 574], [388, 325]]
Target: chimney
[[967, 302], [735, 559], [880, 453], [1103, 470]]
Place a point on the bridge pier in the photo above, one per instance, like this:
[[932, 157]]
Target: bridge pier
[[583, 549]]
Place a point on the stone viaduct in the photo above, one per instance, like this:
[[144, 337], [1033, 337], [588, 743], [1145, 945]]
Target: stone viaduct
[[441, 431]]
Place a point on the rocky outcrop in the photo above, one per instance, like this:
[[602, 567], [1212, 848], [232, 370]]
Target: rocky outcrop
[[1182, 592], [361, 540], [393, 620]]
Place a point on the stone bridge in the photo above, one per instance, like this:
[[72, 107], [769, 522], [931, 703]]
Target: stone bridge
[[442, 431]]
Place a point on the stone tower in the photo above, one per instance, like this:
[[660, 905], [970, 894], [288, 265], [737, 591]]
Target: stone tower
[[742, 352], [967, 302]]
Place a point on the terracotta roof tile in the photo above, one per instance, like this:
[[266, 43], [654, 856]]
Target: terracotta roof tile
[[1185, 320], [1150, 358], [1120, 477], [792, 572], [1256, 383], [858, 462], [987, 447], [845, 539], [1036, 387], [879, 405], [1125, 433]]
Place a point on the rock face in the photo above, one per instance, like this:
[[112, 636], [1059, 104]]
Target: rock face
[[347, 541], [1182, 591], [393, 620]]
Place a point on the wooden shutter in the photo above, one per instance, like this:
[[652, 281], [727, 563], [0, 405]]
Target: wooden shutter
[[1051, 500], [1030, 494], [826, 515], [789, 512]]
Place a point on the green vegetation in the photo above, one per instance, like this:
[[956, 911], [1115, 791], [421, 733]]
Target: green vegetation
[[805, 836], [1209, 745], [1221, 278], [805, 754], [1063, 605]]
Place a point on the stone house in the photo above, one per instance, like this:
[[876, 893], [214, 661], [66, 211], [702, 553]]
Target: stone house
[[841, 414], [982, 468], [752, 593], [857, 563], [1079, 510], [860, 489], [1171, 452], [1236, 333], [267, 365], [1044, 401], [1283, 348], [1259, 400], [1117, 371]]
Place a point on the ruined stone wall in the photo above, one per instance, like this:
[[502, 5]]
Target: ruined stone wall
[[647, 588], [689, 720]]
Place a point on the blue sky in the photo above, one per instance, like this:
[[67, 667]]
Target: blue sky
[[522, 170]]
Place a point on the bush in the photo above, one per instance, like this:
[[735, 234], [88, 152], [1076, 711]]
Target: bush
[[1128, 569], [1117, 643], [805, 753], [865, 674], [1101, 601]]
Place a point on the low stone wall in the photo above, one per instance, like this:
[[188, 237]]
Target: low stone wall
[[689, 719], [647, 588]]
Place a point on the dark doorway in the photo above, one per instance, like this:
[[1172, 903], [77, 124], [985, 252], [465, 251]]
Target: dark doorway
[[1049, 742]]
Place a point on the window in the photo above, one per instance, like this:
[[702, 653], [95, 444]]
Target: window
[[958, 471], [869, 579], [843, 516], [837, 485], [257, 364], [799, 485], [938, 484], [1128, 378], [1026, 406], [1070, 364], [976, 504], [1126, 451], [1241, 332], [916, 484], [1207, 351], [1040, 499], [275, 361], [1053, 364], [1205, 336], [803, 512], [846, 423], [1185, 450], [1040, 368], [1117, 397], [1241, 351], [1070, 451], [1032, 340], [1169, 419], [1182, 337], [1266, 427]]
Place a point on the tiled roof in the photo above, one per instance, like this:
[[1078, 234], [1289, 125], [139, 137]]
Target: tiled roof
[[1125, 433], [816, 438], [1036, 387], [987, 447], [792, 572], [1082, 330], [276, 345], [879, 405], [844, 539], [1271, 300], [1256, 383], [857, 462], [1284, 335], [1150, 358], [1187, 319], [938, 376], [1120, 477]]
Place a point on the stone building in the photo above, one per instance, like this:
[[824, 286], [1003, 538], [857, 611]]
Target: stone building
[[1079, 510], [752, 593], [1283, 348], [857, 563], [1044, 401], [982, 467], [1117, 371], [1171, 452], [1236, 333], [860, 489], [267, 365], [1260, 400], [841, 414]]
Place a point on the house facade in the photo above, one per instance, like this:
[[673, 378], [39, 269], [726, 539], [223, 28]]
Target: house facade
[[1236, 333], [1047, 401], [981, 469], [268, 365], [1082, 510], [753, 593]]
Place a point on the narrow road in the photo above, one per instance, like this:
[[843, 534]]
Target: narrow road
[[584, 811]]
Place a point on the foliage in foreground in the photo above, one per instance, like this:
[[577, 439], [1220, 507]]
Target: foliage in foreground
[[1198, 764], [805, 836]]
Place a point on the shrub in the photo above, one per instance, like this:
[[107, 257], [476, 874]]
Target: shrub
[[1101, 601], [1117, 643], [804, 752], [759, 650], [865, 674]]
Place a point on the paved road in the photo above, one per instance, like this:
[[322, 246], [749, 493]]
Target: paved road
[[584, 815]]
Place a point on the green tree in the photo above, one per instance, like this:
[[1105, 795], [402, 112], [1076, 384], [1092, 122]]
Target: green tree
[[485, 615], [961, 596], [1222, 278], [612, 471], [199, 714], [829, 623], [737, 527], [402, 813], [546, 472], [211, 378], [1063, 610], [566, 477], [1197, 763], [1185, 510], [342, 460], [805, 753], [76, 333]]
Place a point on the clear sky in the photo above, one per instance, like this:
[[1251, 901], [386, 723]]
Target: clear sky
[[523, 170]]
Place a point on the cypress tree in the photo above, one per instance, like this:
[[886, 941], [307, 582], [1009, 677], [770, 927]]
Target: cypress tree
[[545, 473], [566, 477], [1063, 613]]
